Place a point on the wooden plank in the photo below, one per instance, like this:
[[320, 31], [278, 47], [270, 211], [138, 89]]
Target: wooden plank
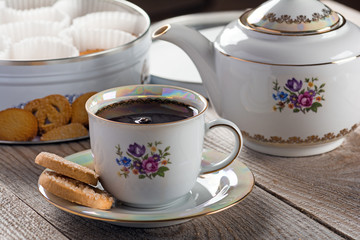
[[19, 221], [325, 187], [259, 216]]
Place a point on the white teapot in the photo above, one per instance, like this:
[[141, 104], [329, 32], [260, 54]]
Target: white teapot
[[287, 73]]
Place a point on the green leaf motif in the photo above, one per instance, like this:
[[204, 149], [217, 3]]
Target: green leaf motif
[[315, 106], [288, 90], [163, 169], [142, 176]]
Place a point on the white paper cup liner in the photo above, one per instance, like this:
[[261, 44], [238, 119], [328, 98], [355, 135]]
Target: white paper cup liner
[[42, 48], [95, 39], [124, 21], [9, 15], [28, 4], [77, 8], [5, 44], [21, 30]]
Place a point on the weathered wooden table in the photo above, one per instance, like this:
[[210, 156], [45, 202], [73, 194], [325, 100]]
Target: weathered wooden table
[[294, 198]]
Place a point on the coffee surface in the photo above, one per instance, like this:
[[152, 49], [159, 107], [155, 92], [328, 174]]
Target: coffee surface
[[147, 111]]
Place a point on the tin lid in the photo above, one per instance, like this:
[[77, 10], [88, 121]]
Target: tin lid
[[292, 17]]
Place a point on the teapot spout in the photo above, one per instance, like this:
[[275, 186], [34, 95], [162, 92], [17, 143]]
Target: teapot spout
[[201, 52]]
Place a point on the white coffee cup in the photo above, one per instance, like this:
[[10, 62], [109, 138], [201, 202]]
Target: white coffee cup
[[152, 165]]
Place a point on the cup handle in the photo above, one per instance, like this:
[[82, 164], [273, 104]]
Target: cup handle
[[234, 153]]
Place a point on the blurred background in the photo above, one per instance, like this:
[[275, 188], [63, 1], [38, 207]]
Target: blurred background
[[162, 9]]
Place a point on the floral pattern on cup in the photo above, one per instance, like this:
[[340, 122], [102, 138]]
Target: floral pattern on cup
[[145, 162], [298, 96]]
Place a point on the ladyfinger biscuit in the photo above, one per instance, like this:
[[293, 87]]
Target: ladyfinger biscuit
[[75, 191], [67, 168]]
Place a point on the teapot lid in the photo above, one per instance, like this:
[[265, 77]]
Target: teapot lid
[[292, 17]]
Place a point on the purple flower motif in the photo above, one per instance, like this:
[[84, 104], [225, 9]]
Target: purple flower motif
[[138, 165], [150, 165], [126, 162], [305, 100], [293, 98], [312, 93], [156, 157], [136, 150], [294, 85]]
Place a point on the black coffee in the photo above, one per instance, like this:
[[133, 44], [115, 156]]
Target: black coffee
[[147, 111]]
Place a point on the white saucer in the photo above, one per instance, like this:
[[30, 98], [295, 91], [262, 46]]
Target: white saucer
[[212, 193]]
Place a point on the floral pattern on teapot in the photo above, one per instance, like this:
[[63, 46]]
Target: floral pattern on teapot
[[271, 17], [145, 163], [298, 96]]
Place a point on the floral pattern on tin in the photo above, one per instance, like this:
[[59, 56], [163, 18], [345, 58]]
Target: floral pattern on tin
[[145, 162], [298, 96]]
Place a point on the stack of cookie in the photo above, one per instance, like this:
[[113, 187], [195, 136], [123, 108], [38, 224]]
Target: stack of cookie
[[50, 118], [72, 182]]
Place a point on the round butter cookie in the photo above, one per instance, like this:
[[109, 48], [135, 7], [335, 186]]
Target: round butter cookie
[[17, 125], [78, 111]]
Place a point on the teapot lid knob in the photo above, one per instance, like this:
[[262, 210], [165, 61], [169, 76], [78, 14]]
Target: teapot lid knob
[[292, 17]]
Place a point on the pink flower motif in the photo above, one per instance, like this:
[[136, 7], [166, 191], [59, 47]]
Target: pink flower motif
[[305, 100], [150, 165]]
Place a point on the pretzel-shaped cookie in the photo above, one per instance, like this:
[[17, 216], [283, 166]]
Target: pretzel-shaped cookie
[[51, 112]]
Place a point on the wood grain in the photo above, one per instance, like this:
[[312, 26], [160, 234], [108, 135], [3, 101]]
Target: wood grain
[[19, 221], [259, 216], [295, 198], [325, 187]]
